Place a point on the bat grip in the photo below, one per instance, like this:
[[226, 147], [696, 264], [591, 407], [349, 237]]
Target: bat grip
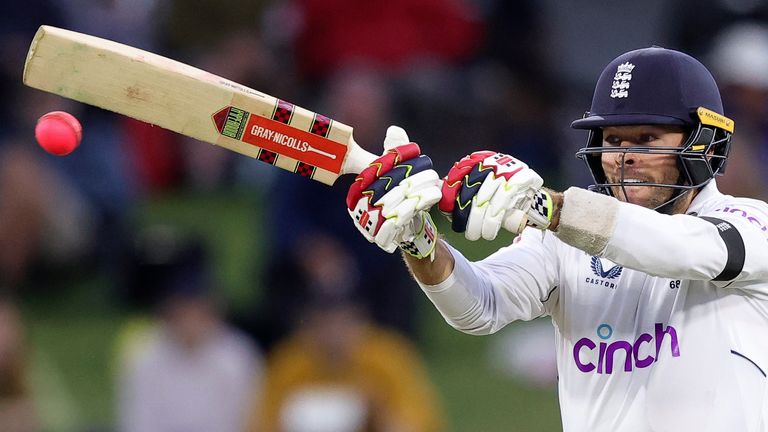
[[357, 159], [515, 221]]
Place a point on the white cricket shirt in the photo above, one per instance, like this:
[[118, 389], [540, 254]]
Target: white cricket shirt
[[645, 339], [169, 388]]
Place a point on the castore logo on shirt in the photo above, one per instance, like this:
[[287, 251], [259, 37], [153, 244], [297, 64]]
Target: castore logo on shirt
[[604, 277]]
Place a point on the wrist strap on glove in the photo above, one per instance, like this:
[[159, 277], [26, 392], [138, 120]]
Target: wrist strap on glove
[[540, 213], [421, 243]]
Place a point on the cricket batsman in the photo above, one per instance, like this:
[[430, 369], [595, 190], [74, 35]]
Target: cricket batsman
[[655, 281]]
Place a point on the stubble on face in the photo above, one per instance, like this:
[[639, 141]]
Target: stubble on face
[[626, 168]]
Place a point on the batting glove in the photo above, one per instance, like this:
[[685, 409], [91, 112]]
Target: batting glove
[[487, 190], [390, 199]]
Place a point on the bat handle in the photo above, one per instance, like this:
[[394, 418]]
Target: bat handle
[[515, 221], [357, 159]]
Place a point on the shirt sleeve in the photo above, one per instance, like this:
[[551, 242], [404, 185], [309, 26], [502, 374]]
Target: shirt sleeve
[[722, 247], [518, 282]]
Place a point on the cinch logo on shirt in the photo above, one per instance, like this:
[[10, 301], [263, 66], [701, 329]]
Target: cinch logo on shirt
[[634, 354], [745, 214]]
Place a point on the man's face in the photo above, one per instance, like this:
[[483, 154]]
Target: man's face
[[641, 167]]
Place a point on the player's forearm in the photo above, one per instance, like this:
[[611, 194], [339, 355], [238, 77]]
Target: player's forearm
[[481, 297], [678, 246], [457, 295], [713, 246], [432, 272]]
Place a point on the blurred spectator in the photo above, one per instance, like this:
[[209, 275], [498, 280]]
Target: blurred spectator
[[17, 411], [303, 231], [524, 352], [43, 218], [191, 31], [52, 208], [127, 21], [362, 96], [102, 167], [240, 56], [515, 88], [739, 59], [419, 48], [696, 23], [389, 35], [606, 28], [194, 26], [191, 371], [339, 372], [18, 24]]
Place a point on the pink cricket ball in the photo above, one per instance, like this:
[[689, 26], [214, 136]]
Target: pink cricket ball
[[58, 132]]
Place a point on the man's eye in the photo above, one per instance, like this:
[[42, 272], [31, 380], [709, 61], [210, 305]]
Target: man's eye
[[612, 140], [647, 138]]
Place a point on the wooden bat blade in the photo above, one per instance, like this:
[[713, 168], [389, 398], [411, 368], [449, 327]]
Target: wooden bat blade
[[192, 102]]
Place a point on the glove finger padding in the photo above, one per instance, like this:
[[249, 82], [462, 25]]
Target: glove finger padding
[[390, 192], [519, 205], [378, 168], [368, 218], [479, 211], [395, 137], [498, 207], [400, 205], [468, 188], [485, 191], [396, 175], [455, 178], [428, 191], [421, 188]]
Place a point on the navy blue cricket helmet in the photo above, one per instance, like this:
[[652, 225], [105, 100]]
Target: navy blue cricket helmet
[[658, 86]]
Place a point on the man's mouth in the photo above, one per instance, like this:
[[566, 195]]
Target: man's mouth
[[629, 181]]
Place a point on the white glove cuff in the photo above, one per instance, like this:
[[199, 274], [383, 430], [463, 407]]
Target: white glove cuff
[[540, 211], [421, 244]]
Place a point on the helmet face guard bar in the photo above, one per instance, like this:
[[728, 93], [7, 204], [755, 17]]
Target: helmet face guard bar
[[702, 157]]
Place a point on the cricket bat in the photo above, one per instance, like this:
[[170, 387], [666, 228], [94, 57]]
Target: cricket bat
[[192, 102]]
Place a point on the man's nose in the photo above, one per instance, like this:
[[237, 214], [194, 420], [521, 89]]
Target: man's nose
[[624, 158]]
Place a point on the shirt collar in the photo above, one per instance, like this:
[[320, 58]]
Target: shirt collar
[[705, 193]]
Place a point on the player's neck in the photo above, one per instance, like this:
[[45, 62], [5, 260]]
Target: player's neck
[[684, 202]]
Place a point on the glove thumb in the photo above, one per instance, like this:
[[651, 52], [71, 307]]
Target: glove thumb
[[396, 136]]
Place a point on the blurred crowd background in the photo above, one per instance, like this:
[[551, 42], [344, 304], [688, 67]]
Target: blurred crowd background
[[149, 282]]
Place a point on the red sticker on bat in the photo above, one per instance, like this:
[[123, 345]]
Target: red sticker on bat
[[281, 138]]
